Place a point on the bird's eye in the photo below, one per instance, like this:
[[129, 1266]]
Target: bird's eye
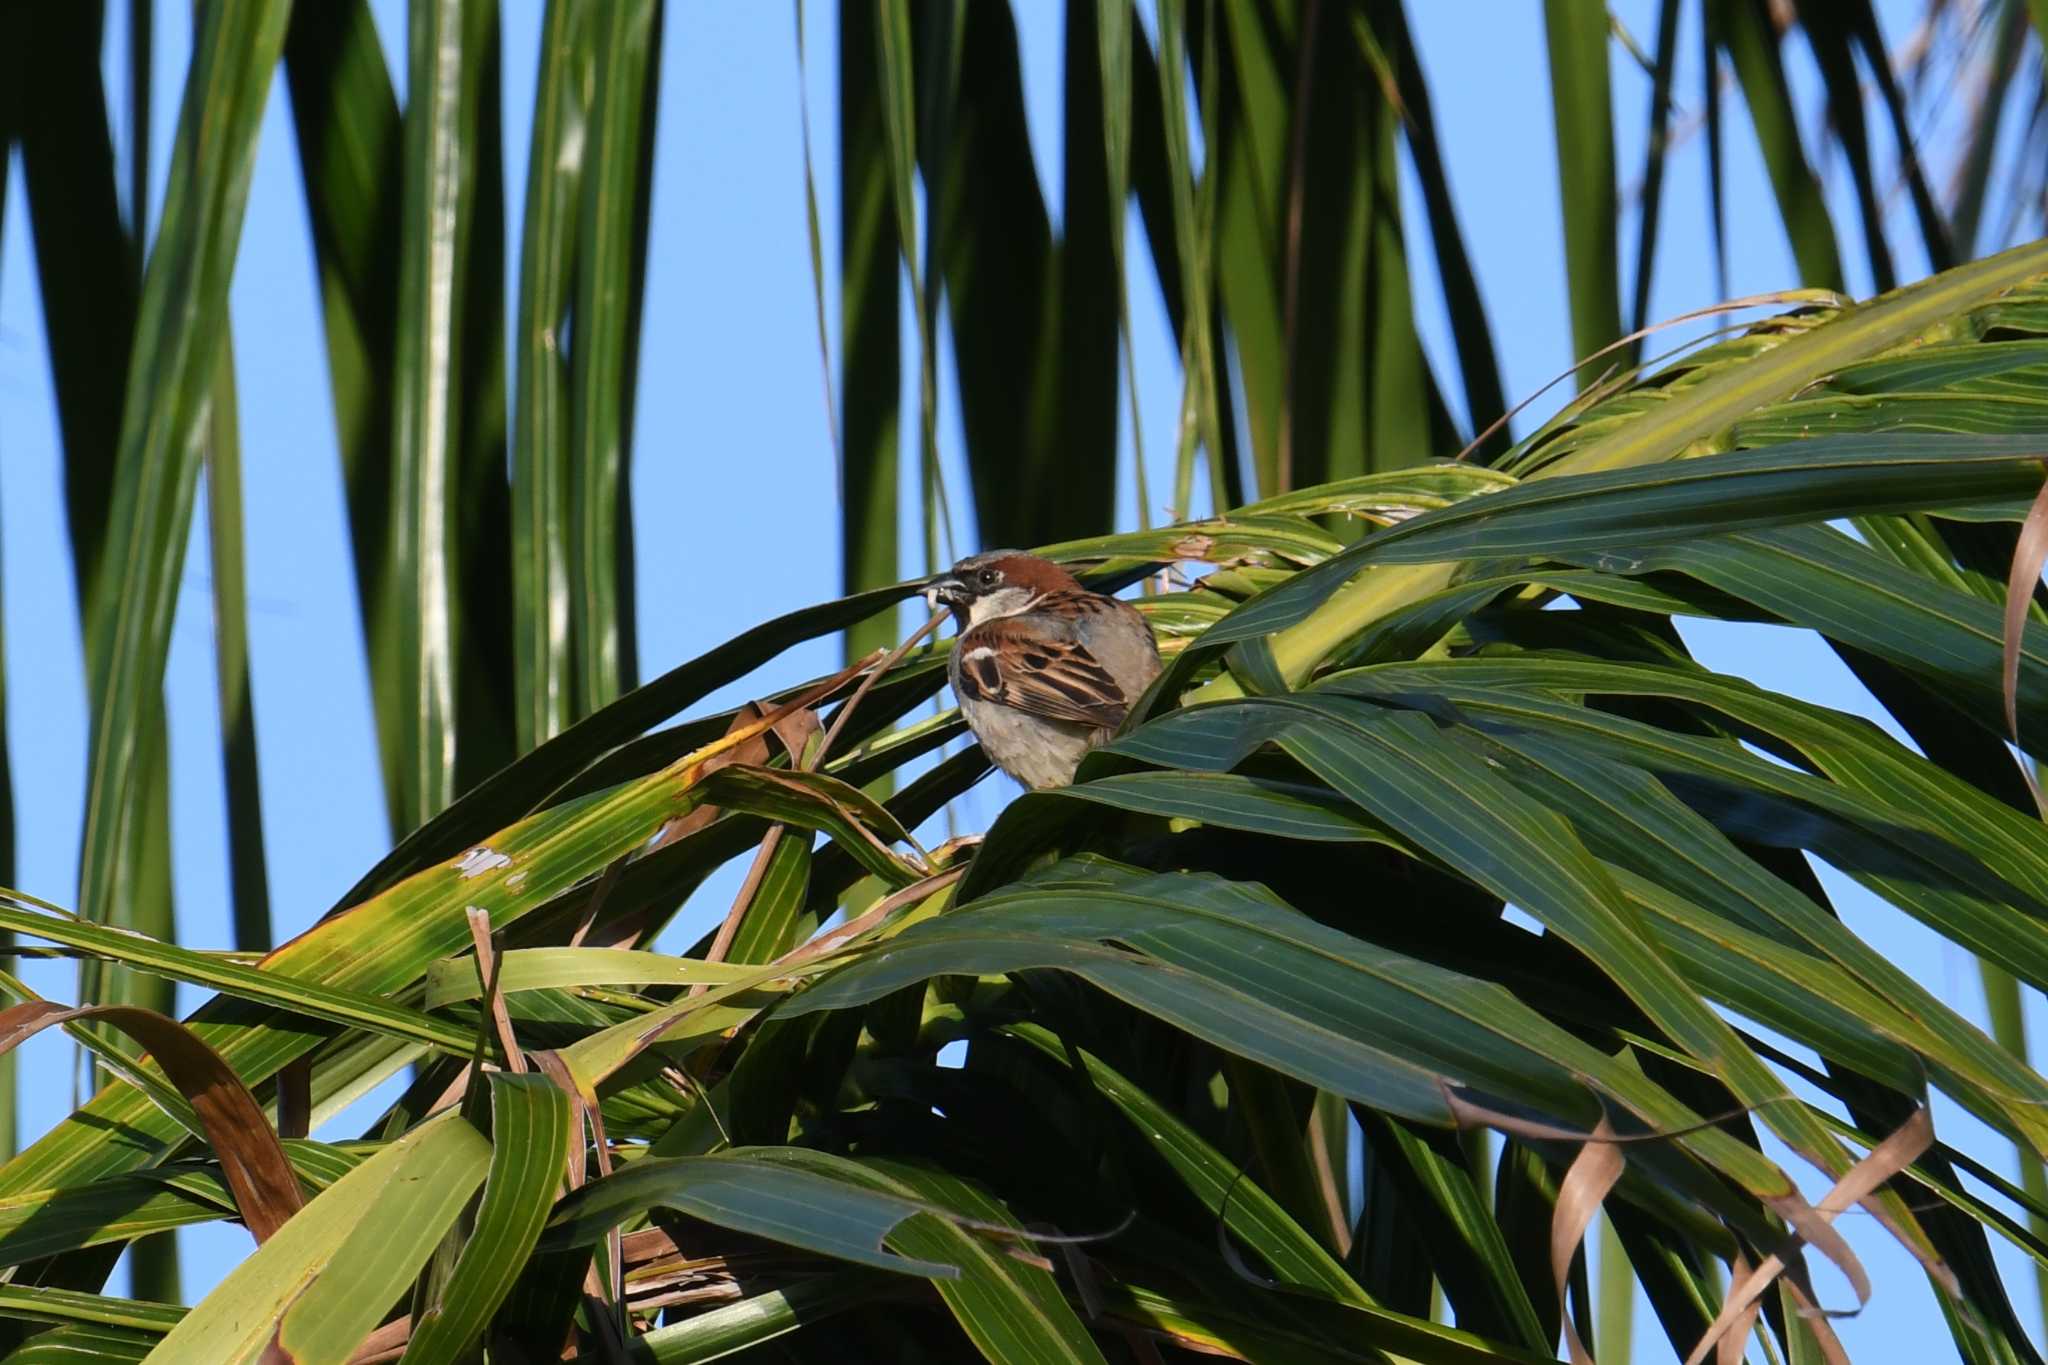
[[987, 578]]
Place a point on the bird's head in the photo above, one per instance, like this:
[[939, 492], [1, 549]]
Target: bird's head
[[995, 583]]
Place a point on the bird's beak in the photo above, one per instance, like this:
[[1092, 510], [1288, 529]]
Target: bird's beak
[[944, 591]]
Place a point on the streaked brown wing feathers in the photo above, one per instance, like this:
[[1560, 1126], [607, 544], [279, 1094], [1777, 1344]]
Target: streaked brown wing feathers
[[1009, 663]]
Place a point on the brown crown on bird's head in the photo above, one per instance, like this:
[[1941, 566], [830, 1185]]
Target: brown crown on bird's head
[[996, 572]]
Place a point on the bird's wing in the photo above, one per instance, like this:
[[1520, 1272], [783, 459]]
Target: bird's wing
[[1029, 663]]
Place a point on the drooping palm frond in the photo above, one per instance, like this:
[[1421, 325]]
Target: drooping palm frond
[[1269, 921]]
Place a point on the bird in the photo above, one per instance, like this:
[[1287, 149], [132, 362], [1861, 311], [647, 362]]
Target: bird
[[1044, 669]]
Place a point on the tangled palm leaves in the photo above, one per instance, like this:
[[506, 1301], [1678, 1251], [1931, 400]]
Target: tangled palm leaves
[[1270, 918]]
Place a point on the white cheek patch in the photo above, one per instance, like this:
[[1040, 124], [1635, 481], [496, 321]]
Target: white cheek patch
[[1003, 602]]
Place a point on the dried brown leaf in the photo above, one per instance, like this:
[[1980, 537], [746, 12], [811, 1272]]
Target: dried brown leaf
[[1579, 1196], [487, 963], [806, 757], [252, 1160], [1857, 1184], [584, 1109], [2028, 556], [753, 750], [1737, 1336], [1816, 1321], [729, 927], [385, 1344], [746, 741], [550, 1064]]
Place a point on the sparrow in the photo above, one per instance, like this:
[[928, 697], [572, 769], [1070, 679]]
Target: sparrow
[[1045, 670]]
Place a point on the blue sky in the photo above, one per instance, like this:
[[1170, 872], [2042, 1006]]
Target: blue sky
[[731, 422]]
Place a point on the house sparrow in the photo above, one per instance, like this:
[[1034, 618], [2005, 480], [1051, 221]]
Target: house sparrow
[[1044, 669]]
